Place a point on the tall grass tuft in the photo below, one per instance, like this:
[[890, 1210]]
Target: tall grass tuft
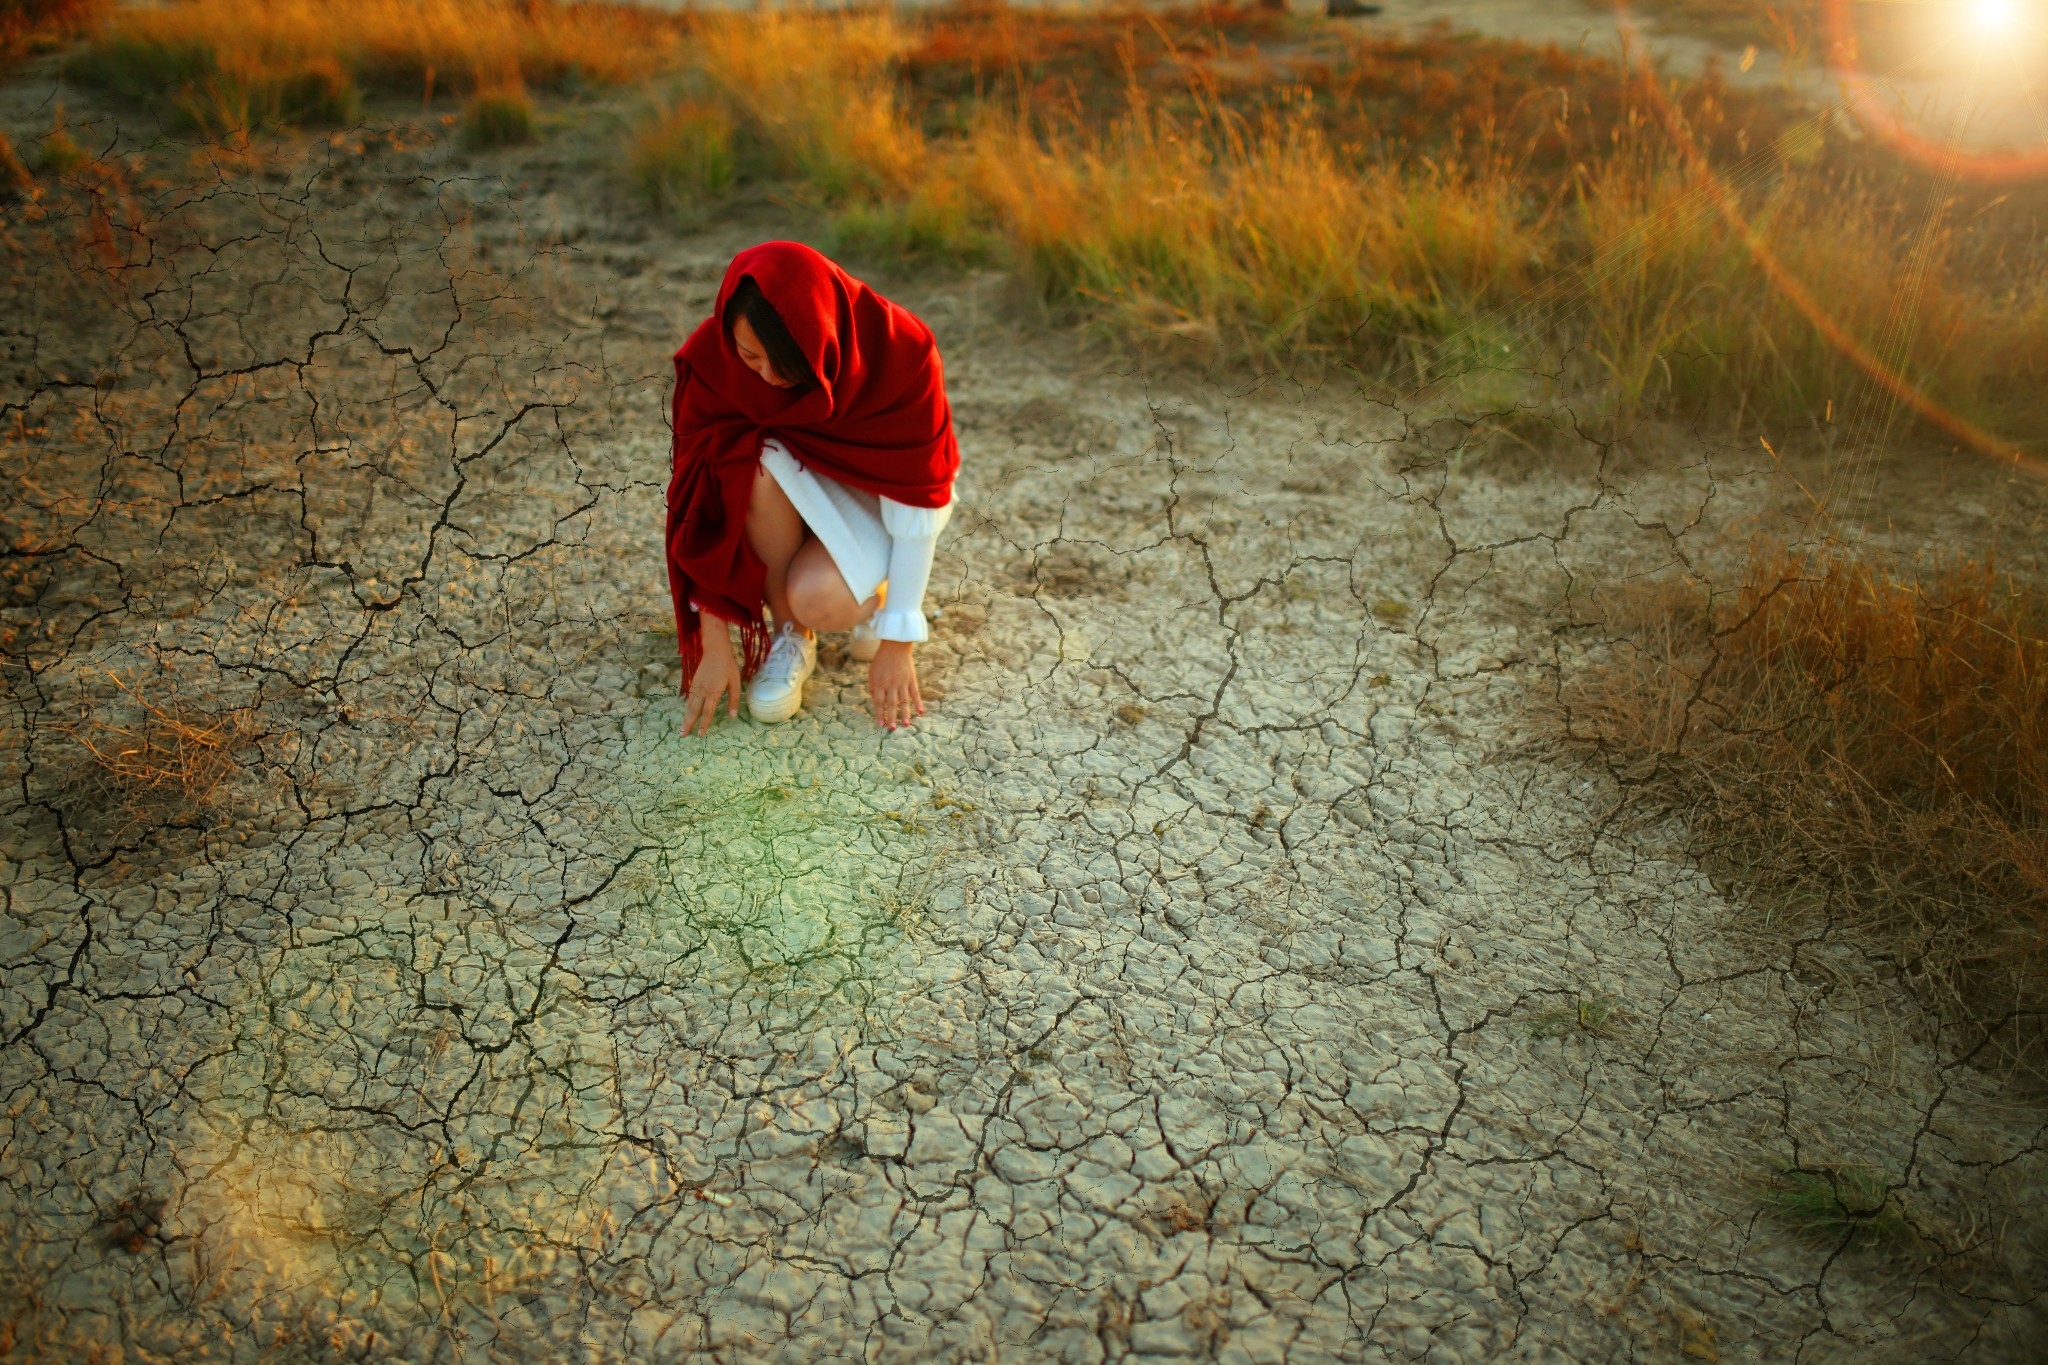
[[937, 219], [60, 153], [683, 160], [498, 117], [1860, 743], [15, 180], [239, 97], [816, 88]]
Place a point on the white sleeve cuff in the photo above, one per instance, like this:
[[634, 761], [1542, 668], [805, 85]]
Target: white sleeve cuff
[[914, 523], [902, 623]]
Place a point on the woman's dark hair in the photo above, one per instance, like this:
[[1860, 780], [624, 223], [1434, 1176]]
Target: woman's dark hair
[[783, 353]]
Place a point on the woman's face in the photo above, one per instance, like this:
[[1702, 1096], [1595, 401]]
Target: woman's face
[[753, 356]]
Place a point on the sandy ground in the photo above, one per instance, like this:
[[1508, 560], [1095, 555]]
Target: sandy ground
[[1221, 970]]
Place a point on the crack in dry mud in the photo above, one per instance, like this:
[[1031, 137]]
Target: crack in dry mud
[[1215, 972]]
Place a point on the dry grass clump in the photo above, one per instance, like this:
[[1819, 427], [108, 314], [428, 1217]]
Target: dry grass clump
[[1249, 235], [502, 117], [817, 90], [1856, 746], [28, 26], [60, 153], [146, 747], [1850, 1207], [1676, 314], [298, 61], [15, 179], [1188, 218], [683, 161]]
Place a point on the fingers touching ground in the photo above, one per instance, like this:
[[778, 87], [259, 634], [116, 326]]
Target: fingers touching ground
[[893, 689], [701, 706]]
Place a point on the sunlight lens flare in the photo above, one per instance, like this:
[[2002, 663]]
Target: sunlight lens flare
[[1993, 18], [1863, 93], [1929, 151]]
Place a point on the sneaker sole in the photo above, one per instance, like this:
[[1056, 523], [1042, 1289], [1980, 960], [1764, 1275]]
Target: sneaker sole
[[775, 715]]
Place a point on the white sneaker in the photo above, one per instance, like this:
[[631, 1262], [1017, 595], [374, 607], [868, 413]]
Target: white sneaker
[[777, 690]]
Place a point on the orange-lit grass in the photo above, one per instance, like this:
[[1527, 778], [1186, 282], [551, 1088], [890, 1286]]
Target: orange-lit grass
[[682, 160], [31, 25], [1430, 95], [414, 46], [1248, 234], [1858, 746], [14, 177], [1377, 197], [1680, 318], [1184, 213], [816, 88], [498, 116]]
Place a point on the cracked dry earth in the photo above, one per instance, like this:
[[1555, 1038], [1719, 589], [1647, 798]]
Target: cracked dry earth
[[1216, 972]]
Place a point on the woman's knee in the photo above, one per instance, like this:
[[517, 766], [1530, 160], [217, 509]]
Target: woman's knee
[[819, 596], [821, 609]]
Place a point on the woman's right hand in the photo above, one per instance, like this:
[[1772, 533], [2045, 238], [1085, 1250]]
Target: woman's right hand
[[718, 676]]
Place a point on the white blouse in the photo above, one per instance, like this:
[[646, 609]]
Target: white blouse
[[872, 540]]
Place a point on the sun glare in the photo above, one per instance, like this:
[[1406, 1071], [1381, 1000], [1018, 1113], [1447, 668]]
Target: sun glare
[[1994, 18]]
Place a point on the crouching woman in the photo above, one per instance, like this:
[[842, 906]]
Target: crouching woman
[[813, 467]]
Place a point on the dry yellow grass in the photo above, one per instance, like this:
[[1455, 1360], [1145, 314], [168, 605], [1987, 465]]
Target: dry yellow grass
[[151, 748], [169, 53], [1198, 217], [1247, 234], [1857, 745], [35, 25], [1183, 219], [683, 160], [816, 88], [14, 177], [1242, 232]]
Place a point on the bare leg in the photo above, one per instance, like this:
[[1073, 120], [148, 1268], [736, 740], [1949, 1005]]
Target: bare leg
[[819, 593], [776, 531]]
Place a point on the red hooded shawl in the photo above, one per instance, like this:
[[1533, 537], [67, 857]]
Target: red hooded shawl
[[876, 420]]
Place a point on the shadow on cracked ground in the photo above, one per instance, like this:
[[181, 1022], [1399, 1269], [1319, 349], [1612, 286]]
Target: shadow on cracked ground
[[1216, 971]]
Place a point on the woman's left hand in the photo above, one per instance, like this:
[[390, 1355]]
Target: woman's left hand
[[892, 685]]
